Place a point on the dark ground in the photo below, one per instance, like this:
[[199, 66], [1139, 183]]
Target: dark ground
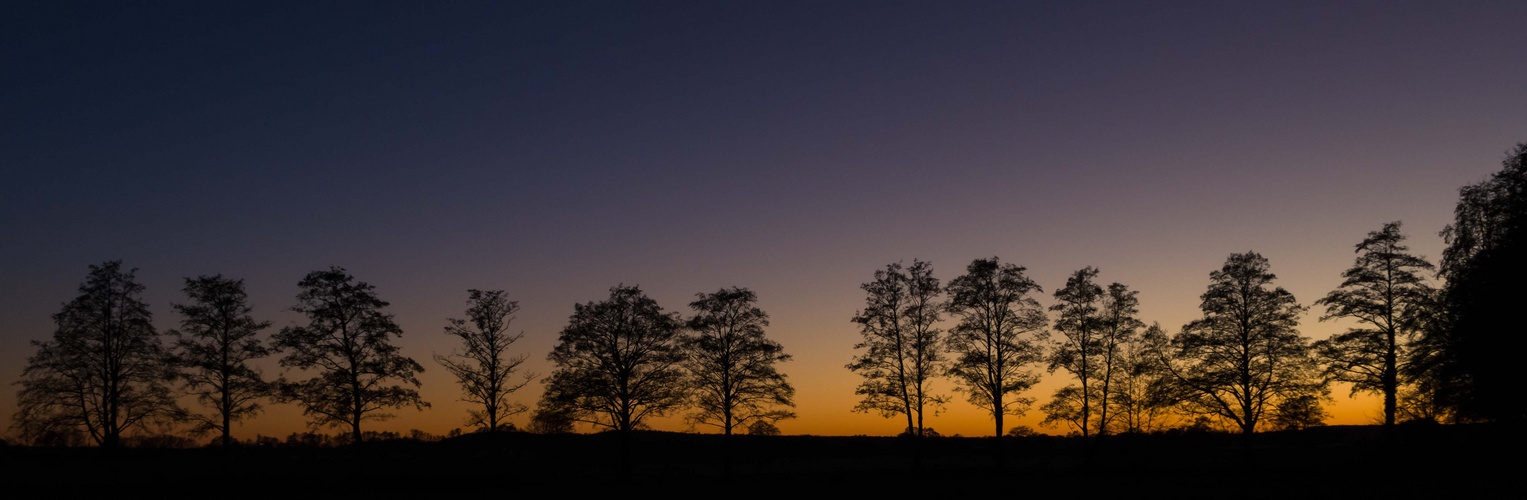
[[1351, 462]]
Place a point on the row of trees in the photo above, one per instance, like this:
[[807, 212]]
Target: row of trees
[[1440, 353], [623, 360], [107, 370], [1433, 353], [1241, 363]]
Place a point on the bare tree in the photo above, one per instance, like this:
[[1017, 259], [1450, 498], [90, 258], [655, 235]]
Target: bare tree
[[732, 364], [348, 342], [104, 372], [901, 347], [618, 362], [214, 347], [1245, 354], [486, 370], [1081, 326], [994, 341], [1384, 293]]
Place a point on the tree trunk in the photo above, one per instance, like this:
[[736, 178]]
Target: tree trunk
[[1103, 400], [1391, 382], [997, 439], [1086, 408], [726, 455], [917, 443], [726, 446], [1086, 395], [625, 438]]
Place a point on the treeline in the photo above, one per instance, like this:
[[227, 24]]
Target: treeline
[[1434, 341], [108, 372]]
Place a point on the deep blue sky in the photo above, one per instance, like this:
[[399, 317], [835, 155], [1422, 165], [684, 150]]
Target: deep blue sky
[[557, 149]]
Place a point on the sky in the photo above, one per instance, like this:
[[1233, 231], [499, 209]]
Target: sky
[[555, 150]]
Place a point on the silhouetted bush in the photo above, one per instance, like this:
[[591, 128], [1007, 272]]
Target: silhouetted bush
[[763, 428], [927, 432], [1021, 431], [551, 420], [1299, 412]]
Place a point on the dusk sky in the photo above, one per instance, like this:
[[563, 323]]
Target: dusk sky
[[555, 150]]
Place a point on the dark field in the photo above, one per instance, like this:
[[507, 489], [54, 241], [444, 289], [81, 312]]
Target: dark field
[[1352, 462]]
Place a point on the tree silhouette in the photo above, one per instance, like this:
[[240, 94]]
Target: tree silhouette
[[1476, 345], [1121, 306], [348, 342], [901, 347], [732, 364], [1081, 326], [1245, 354], [104, 372], [486, 370], [213, 348], [994, 339], [617, 362], [1143, 391], [1384, 293]]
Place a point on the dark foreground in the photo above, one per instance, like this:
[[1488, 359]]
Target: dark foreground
[[1353, 462]]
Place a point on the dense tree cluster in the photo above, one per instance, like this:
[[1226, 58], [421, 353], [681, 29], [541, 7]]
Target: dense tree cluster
[[1466, 360], [1435, 352]]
